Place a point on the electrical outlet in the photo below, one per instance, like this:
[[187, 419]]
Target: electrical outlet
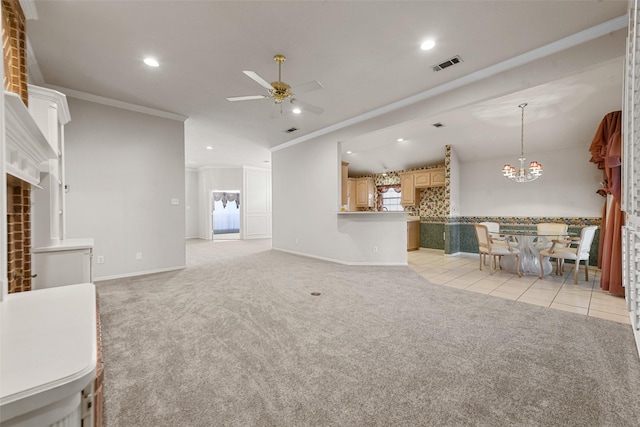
[[175, 202], [297, 241], [100, 259], [375, 248], [138, 256]]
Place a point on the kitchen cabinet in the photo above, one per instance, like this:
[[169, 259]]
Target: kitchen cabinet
[[365, 188], [437, 177], [408, 192], [344, 178], [351, 194], [422, 179], [413, 182], [413, 233]]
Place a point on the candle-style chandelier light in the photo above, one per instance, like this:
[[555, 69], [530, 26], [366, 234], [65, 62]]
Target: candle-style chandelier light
[[522, 174]]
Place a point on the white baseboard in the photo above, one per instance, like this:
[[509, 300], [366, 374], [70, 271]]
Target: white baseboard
[[138, 273], [338, 261]]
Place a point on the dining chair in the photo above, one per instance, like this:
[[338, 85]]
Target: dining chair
[[496, 237], [487, 246], [548, 231], [566, 248]]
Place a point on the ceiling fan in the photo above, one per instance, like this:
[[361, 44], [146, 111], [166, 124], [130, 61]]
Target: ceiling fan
[[281, 92]]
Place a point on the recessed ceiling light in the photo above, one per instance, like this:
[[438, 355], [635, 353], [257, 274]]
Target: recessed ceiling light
[[349, 152], [209, 147], [400, 139], [296, 111], [427, 45], [151, 62]]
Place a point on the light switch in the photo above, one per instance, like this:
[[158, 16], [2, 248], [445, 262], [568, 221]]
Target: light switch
[[175, 202]]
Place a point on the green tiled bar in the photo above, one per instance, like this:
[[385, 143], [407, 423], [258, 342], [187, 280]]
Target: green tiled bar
[[460, 236]]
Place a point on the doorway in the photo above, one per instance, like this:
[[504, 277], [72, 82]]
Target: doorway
[[225, 214]]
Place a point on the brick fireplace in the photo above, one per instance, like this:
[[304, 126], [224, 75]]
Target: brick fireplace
[[18, 192], [18, 234]]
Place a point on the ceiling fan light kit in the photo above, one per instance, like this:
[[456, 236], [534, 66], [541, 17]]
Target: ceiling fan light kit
[[522, 175], [280, 91]]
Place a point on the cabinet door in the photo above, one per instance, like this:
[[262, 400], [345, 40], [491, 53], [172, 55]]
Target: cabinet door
[[365, 189], [362, 193], [61, 268], [413, 235], [344, 178], [408, 192], [351, 194], [422, 179], [437, 178], [371, 191]]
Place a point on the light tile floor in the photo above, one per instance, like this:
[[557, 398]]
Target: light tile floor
[[558, 292]]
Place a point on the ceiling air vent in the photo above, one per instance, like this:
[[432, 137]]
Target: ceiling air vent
[[290, 130], [448, 63]]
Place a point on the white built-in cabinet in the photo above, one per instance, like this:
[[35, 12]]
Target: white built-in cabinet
[[48, 343], [50, 112], [56, 261]]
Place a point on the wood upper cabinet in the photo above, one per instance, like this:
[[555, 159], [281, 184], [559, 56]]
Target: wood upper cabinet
[[365, 188], [408, 192], [351, 194], [437, 177], [344, 178], [422, 179], [413, 182]]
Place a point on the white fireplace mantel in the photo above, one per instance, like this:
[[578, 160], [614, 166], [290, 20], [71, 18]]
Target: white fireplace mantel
[[26, 146]]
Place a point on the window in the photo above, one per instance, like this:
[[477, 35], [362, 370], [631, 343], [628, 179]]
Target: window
[[391, 200]]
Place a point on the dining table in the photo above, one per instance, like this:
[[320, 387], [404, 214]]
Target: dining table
[[529, 242]]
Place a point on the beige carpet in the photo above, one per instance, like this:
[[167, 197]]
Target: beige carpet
[[237, 339]]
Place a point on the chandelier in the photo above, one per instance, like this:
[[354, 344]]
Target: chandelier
[[522, 174]]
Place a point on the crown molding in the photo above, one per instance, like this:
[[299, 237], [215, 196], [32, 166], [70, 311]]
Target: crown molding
[[525, 58], [35, 74], [29, 9], [118, 104]]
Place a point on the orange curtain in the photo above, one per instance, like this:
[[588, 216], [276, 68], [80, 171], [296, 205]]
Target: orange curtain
[[606, 153]]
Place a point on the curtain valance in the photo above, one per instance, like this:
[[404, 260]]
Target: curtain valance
[[226, 197]]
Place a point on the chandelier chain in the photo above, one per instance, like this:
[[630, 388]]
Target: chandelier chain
[[522, 129], [522, 174]]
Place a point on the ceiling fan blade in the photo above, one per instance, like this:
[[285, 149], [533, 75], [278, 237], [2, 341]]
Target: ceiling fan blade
[[246, 98], [306, 87], [307, 107], [255, 77]]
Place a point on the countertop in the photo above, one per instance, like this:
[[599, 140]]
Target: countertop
[[382, 213], [66, 245], [372, 213]]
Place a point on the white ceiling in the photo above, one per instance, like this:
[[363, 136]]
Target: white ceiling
[[365, 54]]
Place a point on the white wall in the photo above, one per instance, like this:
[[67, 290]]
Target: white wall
[[191, 203], [567, 187], [256, 212], [213, 178], [254, 185], [123, 168], [305, 205]]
